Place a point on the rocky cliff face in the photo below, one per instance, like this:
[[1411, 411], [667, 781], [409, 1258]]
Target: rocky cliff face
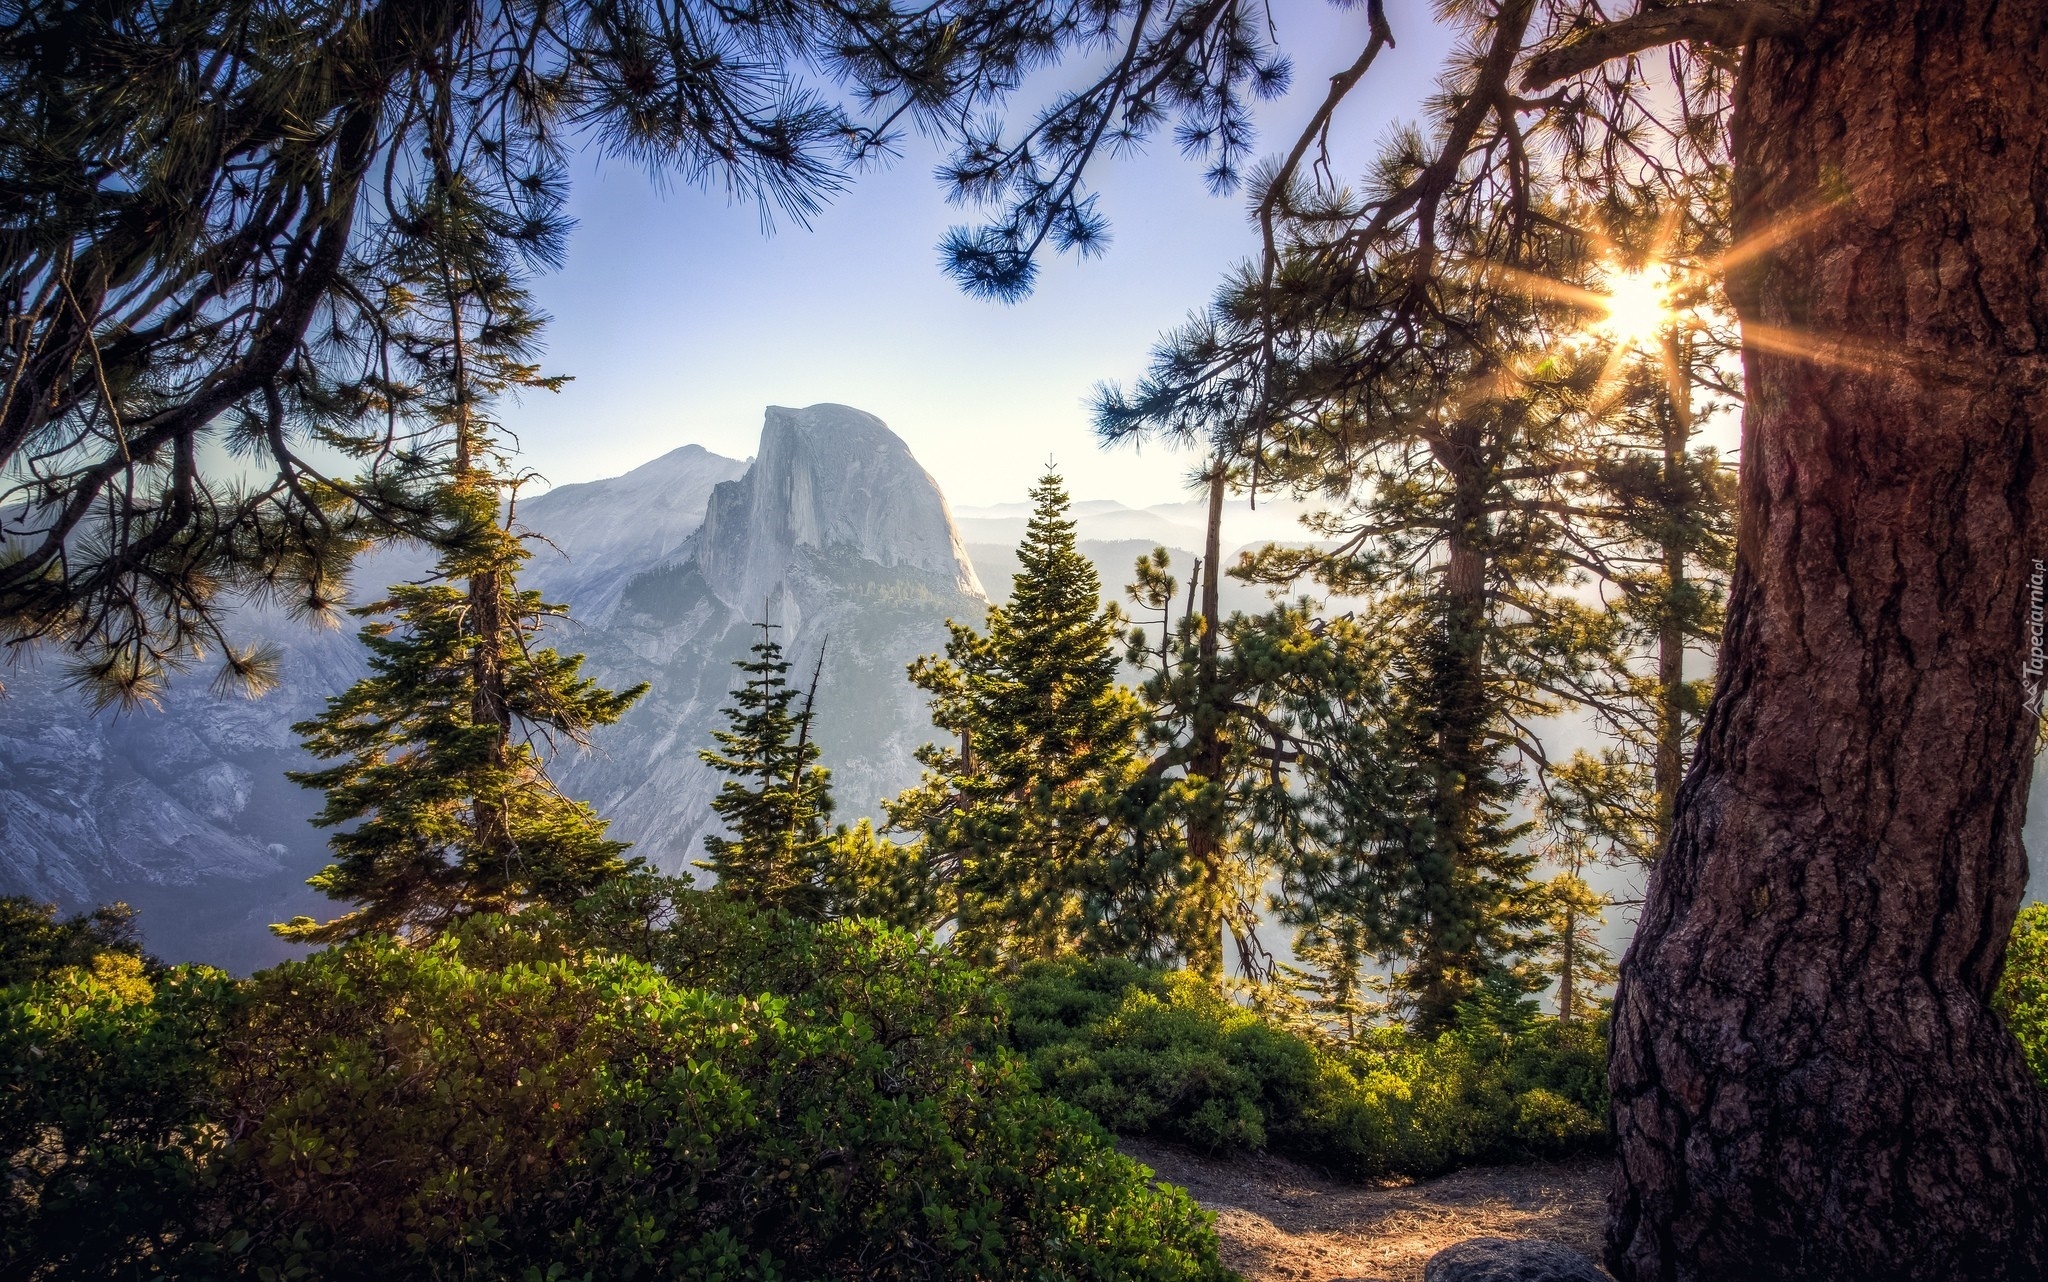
[[839, 540], [599, 534], [834, 530]]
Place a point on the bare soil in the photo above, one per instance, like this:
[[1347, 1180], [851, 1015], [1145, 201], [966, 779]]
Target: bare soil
[[1282, 1222]]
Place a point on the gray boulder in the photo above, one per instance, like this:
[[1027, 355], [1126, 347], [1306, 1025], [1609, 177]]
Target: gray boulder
[[1499, 1259]]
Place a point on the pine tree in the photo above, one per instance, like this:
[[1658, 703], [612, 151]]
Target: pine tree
[[1573, 913], [1451, 461], [1028, 825], [439, 772], [869, 875], [1661, 536], [777, 802], [1251, 721], [1327, 987], [209, 209], [451, 814]]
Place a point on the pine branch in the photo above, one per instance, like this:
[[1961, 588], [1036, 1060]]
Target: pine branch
[[1716, 22]]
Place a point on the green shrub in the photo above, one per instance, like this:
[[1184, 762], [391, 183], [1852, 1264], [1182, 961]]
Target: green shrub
[[35, 945], [712, 1094], [2022, 996], [1164, 1054], [103, 1074]]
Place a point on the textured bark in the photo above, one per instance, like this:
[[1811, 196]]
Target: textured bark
[[1807, 1080]]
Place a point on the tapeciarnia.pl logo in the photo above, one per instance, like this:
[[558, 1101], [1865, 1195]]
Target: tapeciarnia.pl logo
[[2036, 665]]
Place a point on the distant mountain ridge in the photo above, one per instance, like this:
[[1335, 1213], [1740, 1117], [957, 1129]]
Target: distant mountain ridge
[[832, 531], [833, 528], [587, 552]]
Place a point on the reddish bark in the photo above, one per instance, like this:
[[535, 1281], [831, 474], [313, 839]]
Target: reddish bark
[[1807, 1079]]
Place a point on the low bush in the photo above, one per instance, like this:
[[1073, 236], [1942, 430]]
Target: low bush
[[105, 1074], [658, 1086], [34, 944], [1164, 1054], [2022, 996]]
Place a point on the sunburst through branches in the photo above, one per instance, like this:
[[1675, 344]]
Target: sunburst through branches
[[1638, 307]]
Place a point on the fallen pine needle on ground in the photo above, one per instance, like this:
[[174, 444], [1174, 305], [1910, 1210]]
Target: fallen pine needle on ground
[[1282, 1222]]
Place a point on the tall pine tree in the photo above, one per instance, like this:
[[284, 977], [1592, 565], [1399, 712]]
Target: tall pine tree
[[437, 765], [1027, 824]]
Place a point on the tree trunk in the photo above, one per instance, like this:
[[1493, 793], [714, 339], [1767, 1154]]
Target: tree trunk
[[1670, 763], [490, 822], [1206, 839], [1568, 968], [1449, 957], [1807, 1080]]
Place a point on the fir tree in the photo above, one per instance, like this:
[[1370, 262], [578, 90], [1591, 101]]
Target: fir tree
[[438, 768], [1027, 825], [451, 813], [777, 802]]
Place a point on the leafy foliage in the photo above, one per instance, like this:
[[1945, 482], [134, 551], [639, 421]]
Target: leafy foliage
[[660, 1083], [1162, 1053], [2022, 996]]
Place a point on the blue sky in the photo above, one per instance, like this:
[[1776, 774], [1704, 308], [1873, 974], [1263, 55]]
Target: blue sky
[[679, 319]]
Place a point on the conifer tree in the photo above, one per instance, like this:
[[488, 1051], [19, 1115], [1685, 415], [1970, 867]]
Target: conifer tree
[[1452, 465], [437, 764], [1330, 989], [1660, 534], [777, 801], [1254, 727], [1028, 824], [1580, 963], [451, 814], [1573, 913]]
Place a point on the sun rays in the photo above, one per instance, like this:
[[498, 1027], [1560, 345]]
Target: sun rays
[[1639, 307]]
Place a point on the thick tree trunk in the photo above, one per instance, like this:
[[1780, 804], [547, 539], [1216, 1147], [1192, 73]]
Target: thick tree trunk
[[1807, 1080], [1206, 839]]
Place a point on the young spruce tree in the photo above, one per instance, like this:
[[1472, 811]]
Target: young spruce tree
[[778, 800], [1028, 824]]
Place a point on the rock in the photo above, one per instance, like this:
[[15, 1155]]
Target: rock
[[604, 532], [833, 527], [1500, 1259], [828, 479], [844, 542]]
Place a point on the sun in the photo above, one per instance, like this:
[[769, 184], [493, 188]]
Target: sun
[[1638, 306]]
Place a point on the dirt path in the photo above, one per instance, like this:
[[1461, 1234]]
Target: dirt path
[[1281, 1222]]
